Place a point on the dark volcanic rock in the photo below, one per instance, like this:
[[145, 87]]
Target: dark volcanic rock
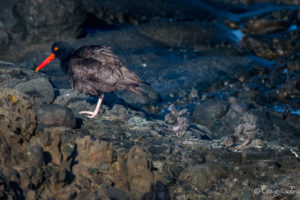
[[51, 114], [126, 11], [6, 17], [181, 75], [270, 22], [6, 191], [130, 172], [209, 111], [67, 97], [140, 177], [17, 117], [39, 88], [34, 22], [4, 38], [196, 36], [93, 156], [203, 176], [36, 155], [273, 46], [28, 82], [193, 158], [263, 26], [59, 142]]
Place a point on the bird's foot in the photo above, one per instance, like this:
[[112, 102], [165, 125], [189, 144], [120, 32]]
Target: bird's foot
[[89, 114], [93, 114]]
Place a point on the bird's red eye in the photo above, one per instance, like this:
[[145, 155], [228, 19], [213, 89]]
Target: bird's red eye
[[55, 48]]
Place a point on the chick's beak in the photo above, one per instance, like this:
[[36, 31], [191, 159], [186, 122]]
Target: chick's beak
[[45, 62]]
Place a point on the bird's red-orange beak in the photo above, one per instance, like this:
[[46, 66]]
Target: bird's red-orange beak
[[45, 62]]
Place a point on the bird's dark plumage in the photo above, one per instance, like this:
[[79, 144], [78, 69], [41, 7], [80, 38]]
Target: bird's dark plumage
[[94, 70]]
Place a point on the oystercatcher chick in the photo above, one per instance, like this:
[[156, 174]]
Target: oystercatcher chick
[[94, 70]]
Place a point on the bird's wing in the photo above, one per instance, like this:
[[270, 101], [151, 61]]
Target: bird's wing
[[102, 54], [115, 71], [90, 70]]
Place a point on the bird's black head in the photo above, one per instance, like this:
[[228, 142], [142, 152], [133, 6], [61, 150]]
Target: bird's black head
[[62, 51]]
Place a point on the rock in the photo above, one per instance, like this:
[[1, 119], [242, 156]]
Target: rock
[[288, 88], [12, 74], [118, 11], [56, 115], [226, 124], [269, 47], [4, 38], [191, 65], [193, 158], [30, 177], [59, 143], [17, 117], [115, 193], [31, 195], [120, 111], [203, 176], [94, 157], [6, 17], [298, 17], [238, 107], [140, 177], [59, 176], [6, 23], [196, 36], [270, 22], [35, 155], [181, 75], [95, 153], [28, 82], [264, 26], [29, 22], [6, 191], [40, 88], [243, 194], [209, 111], [129, 175], [274, 128], [245, 132], [232, 24], [68, 97]]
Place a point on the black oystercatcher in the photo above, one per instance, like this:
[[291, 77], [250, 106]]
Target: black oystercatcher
[[94, 70]]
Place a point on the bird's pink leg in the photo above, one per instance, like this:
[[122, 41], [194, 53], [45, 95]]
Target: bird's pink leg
[[93, 114]]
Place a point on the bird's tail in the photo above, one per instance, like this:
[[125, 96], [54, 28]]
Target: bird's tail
[[140, 91], [144, 83]]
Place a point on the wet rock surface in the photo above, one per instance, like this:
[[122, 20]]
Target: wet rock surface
[[222, 120]]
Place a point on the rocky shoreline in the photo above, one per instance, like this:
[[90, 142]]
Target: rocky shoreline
[[222, 123]]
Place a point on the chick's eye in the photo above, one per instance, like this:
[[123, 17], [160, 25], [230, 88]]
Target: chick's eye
[[55, 48]]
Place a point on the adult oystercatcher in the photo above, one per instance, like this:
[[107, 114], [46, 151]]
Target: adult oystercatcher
[[94, 70]]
